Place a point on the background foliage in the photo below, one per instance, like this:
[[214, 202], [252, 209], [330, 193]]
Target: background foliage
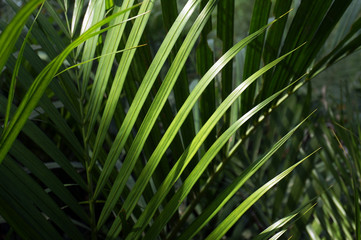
[[180, 119]]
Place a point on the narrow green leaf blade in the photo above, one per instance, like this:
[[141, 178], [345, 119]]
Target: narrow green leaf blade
[[202, 134], [78, 6], [9, 36], [28, 191], [219, 232], [254, 50], [194, 176], [160, 100], [222, 199], [133, 112], [35, 92], [225, 32], [205, 60], [39, 170], [105, 64], [16, 72]]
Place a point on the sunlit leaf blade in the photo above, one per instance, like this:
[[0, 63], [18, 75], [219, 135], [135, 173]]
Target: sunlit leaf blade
[[101, 143], [246, 204], [42, 29], [11, 33], [342, 48], [278, 235], [222, 198], [94, 14], [16, 71], [105, 64], [182, 114], [195, 145], [181, 87], [157, 105], [115, 92], [134, 109], [326, 26], [78, 6], [285, 221], [276, 225], [31, 56], [194, 176], [38, 87], [93, 59]]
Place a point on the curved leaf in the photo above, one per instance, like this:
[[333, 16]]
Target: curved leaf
[[246, 204]]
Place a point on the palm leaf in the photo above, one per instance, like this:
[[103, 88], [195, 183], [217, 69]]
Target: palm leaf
[[124, 120]]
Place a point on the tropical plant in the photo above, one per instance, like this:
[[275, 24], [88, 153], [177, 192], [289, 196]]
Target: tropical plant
[[111, 132], [338, 132]]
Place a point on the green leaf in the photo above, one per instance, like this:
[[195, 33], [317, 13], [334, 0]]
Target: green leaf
[[196, 173], [278, 235], [19, 216], [57, 18], [219, 232], [25, 189], [16, 71], [222, 199], [9, 36], [199, 139], [105, 64], [156, 108], [33, 164], [94, 14], [172, 130], [133, 112], [181, 86], [39, 86], [225, 32], [40, 138], [78, 6], [285, 221], [254, 51], [205, 60]]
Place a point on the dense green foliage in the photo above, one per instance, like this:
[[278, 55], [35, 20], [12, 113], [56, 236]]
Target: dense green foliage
[[169, 119]]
